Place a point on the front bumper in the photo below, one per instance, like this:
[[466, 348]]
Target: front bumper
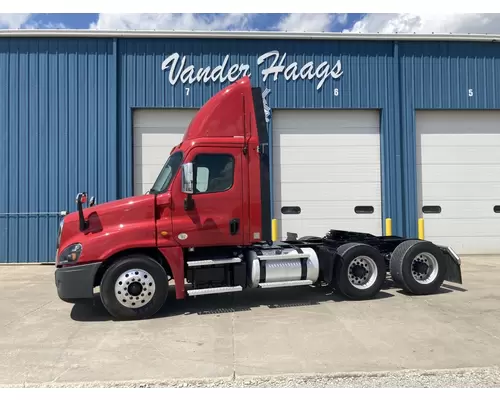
[[76, 283]]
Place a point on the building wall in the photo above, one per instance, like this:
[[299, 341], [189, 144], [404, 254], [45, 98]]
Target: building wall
[[57, 137], [66, 112], [447, 75]]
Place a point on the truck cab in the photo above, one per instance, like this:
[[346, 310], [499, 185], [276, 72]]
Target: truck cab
[[206, 225]]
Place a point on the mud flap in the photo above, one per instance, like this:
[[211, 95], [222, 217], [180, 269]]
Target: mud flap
[[453, 267], [328, 259], [453, 271]]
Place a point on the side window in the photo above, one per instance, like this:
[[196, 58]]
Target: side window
[[202, 174], [213, 172]]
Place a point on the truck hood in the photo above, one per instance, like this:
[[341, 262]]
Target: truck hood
[[111, 222], [121, 210]]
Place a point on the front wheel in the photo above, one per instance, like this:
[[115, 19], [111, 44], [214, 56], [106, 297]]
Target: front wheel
[[361, 272], [134, 287]]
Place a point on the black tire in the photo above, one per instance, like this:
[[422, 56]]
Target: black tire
[[153, 273], [402, 263], [370, 256]]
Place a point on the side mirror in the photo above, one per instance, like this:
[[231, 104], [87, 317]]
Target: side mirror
[[92, 201], [187, 178], [81, 198]]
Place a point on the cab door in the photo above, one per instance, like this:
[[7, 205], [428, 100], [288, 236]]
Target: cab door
[[215, 215]]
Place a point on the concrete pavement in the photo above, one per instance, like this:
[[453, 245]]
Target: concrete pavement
[[282, 331]]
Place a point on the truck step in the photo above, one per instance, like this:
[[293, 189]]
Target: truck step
[[279, 257], [271, 285], [215, 290], [221, 261]]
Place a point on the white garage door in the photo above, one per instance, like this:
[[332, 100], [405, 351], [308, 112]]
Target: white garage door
[[459, 171], [155, 133], [327, 162]]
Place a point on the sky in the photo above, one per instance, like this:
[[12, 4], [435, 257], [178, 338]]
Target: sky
[[364, 23]]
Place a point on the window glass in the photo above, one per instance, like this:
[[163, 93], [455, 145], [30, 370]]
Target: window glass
[[167, 173], [214, 172], [202, 179]]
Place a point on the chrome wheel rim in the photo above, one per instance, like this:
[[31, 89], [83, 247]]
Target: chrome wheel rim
[[424, 268], [134, 288], [362, 272]]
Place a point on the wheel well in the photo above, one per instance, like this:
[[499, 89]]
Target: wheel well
[[152, 252]]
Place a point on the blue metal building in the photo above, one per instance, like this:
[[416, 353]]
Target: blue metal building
[[68, 99]]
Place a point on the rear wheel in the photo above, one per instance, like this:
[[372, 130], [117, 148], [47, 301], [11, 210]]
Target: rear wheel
[[134, 287], [418, 267], [361, 272]]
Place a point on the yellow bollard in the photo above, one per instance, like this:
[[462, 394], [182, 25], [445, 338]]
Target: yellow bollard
[[388, 227], [421, 228], [274, 230]]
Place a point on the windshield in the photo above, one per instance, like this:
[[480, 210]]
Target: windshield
[[167, 173]]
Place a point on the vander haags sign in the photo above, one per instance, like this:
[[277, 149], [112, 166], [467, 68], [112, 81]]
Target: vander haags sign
[[180, 70]]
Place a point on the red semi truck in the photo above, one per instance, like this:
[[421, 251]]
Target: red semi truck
[[206, 225]]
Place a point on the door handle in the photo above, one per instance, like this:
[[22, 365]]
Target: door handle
[[234, 226]]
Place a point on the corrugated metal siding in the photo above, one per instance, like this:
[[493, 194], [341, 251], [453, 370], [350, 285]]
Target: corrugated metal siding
[[367, 70], [58, 137], [438, 75], [66, 112]]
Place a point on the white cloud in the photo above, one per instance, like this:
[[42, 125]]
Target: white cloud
[[172, 21], [291, 22], [307, 22], [13, 21], [428, 23]]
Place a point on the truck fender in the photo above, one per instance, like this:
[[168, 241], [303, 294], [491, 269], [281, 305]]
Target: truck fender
[[175, 259]]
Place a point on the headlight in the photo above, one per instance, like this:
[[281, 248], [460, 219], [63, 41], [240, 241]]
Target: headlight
[[70, 254]]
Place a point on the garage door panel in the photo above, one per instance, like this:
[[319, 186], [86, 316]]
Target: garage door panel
[[298, 139], [305, 127], [310, 215], [318, 209], [460, 155], [329, 192], [163, 117], [435, 192], [459, 170], [461, 140], [141, 188], [364, 155], [341, 121], [321, 227], [335, 174], [461, 227], [160, 138], [457, 122], [464, 209], [460, 173], [151, 155], [147, 174], [327, 162], [156, 132], [462, 245]]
